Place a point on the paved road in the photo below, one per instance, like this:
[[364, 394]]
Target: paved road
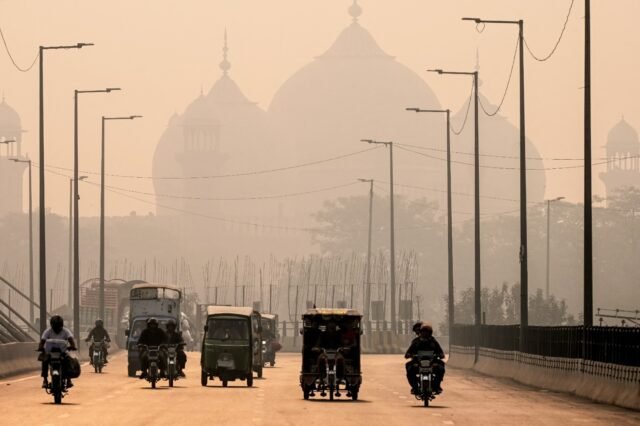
[[469, 399]]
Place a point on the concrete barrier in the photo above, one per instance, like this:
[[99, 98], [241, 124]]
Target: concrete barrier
[[16, 358], [606, 383]]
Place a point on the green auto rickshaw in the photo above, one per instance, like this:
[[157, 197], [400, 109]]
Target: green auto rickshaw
[[232, 345]]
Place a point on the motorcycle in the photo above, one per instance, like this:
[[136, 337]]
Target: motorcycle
[[153, 356], [97, 355], [172, 364], [55, 353], [330, 382], [426, 376]]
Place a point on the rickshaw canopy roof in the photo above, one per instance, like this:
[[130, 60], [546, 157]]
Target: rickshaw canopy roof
[[332, 312], [151, 285], [244, 311], [268, 316]]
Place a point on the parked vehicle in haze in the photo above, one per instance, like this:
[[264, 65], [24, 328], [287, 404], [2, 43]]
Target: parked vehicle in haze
[[232, 345], [160, 301]]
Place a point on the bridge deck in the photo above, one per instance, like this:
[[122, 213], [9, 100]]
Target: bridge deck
[[469, 399]]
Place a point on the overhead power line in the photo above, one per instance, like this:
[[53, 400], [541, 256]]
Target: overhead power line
[[192, 213], [251, 198], [15, 64], [555, 47], [578, 166], [506, 89], [510, 157], [466, 115], [228, 175]]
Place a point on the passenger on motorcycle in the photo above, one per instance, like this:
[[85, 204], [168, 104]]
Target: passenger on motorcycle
[[330, 339], [425, 342], [96, 334], [174, 337], [153, 335], [59, 332]]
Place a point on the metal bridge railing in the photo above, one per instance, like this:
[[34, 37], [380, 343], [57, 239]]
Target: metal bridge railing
[[614, 345]]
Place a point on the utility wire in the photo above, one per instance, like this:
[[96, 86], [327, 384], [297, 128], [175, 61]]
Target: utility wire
[[506, 89], [555, 47], [228, 175], [578, 166], [217, 218], [511, 157], [252, 198], [15, 64], [466, 115]]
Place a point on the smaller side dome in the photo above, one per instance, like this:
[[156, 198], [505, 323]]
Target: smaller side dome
[[623, 138], [9, 118], [199, 113]]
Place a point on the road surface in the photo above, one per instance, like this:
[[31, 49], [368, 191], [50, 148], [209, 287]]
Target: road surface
[[469, 399]]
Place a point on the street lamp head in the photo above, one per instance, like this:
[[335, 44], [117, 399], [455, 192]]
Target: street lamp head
[[476, 20], [366, 140], [81, 45], [112, 89], [559, 199], [8, 141], [131, 117], [413, 109], [365, 180], [438, 70], [83, 177]]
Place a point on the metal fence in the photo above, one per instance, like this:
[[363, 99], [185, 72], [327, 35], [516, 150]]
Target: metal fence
[[614, 345]]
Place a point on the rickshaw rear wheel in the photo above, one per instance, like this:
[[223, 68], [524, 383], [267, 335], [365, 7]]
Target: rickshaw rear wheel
[[250, 380], [224, 383], [354, 394], [305, 391], [272, 363], [260, 372], [203, 378]]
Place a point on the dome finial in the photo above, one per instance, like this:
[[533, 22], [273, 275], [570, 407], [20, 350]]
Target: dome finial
[[355, 10], [225, 65]]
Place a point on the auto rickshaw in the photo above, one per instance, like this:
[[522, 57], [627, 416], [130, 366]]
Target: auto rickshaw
[[232, 345], [270, 339], [331, 353]]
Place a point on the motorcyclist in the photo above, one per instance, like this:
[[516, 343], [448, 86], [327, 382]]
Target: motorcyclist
[[332, 340], [57, 331], [98, 333], [425, 342], [416, 328], [174, 337], [153, 335]]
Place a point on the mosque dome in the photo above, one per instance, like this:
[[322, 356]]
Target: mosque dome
[[622, 138], [9, 118], [353, 90]]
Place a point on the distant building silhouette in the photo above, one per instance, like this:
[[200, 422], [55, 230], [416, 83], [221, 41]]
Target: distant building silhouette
[[623, 162], [11, 173]]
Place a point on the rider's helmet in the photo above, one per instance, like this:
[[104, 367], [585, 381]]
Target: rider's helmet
[[171, 324], [416, 327], [426, 328], [99, 323], [152, 322], [56, 323]]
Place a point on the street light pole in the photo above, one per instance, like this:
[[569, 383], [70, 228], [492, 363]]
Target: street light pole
[[392, 237], [451, 295], [42, 206], [548, 242], [476, 209], [101, 309], [76, 210], [31, 290], [367, 290], [588, 197]]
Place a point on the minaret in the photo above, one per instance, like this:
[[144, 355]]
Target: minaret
[[355, 11], [11, 173], [623, 164]]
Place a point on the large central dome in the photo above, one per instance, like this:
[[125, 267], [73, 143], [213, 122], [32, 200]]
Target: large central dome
[[352, 91]]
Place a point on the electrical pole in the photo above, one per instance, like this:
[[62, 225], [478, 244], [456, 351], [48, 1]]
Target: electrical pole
[[367, 288], [392, 242], [588, 213]]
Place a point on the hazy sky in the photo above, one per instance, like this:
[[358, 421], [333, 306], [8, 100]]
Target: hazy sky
[[162, 53]]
